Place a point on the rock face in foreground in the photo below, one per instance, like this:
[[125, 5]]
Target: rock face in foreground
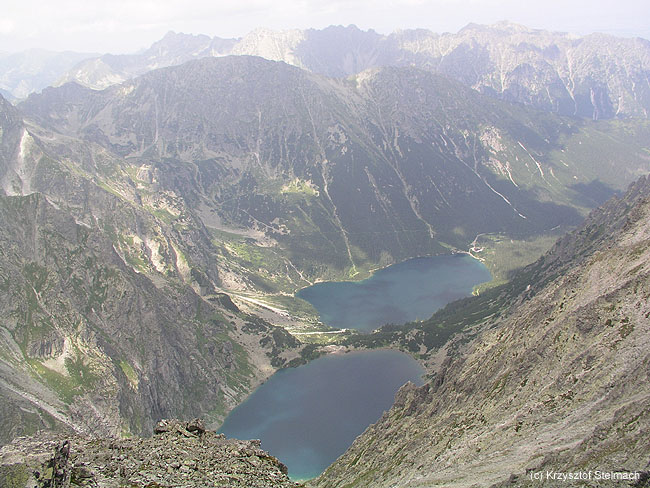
[[560, 382], [181, 454]]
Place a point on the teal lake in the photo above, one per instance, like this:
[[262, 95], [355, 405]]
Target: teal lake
[[308, 416], [411, 290]]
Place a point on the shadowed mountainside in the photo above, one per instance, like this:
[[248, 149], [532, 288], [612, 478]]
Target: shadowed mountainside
[[393, 164]]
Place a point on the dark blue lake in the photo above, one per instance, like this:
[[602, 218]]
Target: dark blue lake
[[404, 292], [308, 416]]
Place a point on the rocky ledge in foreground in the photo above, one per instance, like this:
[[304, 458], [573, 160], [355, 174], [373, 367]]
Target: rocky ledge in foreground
[[181, 454]]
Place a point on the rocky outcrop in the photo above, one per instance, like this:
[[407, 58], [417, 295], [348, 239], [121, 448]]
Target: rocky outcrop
[[556, 383], [179, 454]]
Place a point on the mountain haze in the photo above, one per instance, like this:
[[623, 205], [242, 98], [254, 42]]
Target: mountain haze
[[32, 70], [171, 50], [596, 76]]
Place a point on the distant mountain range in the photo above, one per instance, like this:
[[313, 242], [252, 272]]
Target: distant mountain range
[[30, 71], [596, 76]]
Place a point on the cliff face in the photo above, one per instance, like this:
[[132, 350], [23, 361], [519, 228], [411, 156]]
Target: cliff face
[[91, 344], [558, 382]]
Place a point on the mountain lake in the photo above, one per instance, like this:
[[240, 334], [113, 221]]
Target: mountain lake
[[308, 416], [411, 290]]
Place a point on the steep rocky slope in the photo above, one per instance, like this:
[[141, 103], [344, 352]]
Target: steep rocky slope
[[596, 76], [556, 381], [109, 316], [181, 454], [393, 164]]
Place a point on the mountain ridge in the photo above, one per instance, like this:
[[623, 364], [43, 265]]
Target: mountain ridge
[[595, 76]]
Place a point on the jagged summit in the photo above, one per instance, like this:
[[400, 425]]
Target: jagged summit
[[503, 26]]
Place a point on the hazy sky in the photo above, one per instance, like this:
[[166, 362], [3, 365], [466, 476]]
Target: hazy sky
[[120, 26]]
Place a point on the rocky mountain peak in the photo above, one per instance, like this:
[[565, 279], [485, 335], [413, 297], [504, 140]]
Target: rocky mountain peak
[[595, 76]]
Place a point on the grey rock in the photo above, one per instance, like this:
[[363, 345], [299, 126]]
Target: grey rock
[[197, 426], [167, 459]]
